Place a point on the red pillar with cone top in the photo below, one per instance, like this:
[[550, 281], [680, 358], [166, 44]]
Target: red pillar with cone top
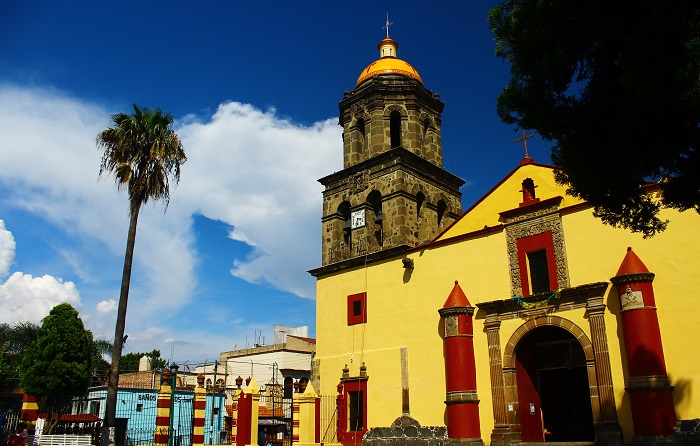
[[649, 388], [460, 368]]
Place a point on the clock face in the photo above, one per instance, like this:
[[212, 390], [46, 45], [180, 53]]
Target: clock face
[[357, 219]]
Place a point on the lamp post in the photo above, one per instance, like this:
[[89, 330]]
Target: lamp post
[[173, 381]]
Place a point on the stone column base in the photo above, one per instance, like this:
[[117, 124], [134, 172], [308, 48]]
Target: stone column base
[[687, 431], [608, 432], [464, 442], [503, 436], [666, 440]]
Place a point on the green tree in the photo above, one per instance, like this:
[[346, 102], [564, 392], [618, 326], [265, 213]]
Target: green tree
[[57, 366], [616, 87], [130, 362], [145, 154], [100, 366], [14, 342]]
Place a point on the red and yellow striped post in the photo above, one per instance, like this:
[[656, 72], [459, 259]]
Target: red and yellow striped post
[[295, 421], [200, 405], [305, 417], [235, 415], [30, 411], [163, 413]]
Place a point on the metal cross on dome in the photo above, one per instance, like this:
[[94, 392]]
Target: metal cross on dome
[[387, 25]]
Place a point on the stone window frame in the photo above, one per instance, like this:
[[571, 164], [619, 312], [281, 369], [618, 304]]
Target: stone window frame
[[530, 221]]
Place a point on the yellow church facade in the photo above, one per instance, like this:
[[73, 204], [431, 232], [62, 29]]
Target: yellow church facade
[[523, 318]]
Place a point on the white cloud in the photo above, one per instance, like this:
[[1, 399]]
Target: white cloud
[[7, 250], [249, 168], [27, 298], [106, 306], [257, 172]]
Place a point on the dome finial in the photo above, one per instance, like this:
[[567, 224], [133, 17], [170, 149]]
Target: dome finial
[[387, 24]]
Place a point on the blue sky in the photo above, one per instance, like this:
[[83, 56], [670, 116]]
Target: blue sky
[[254, 89]]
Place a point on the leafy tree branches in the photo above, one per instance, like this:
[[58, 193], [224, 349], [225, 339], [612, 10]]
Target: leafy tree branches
[[58, 365], [616, 87], [130, 362], [14, 342]]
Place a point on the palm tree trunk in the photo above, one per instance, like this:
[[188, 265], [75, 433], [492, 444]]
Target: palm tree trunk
[[112, 387]]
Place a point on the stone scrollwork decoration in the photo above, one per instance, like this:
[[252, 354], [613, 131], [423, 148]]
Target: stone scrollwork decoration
[[358, 182], [534, 223]]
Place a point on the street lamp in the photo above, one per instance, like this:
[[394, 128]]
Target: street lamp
[[173, 381]]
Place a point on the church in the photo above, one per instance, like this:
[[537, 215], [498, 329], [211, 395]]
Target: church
[[521, 319]]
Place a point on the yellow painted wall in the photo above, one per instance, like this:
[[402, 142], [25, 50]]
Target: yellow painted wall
[[402, 306], [402, 312], [508, 196], [595, 252]]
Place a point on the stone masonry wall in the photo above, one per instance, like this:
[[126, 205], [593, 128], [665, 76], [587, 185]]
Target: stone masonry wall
[[405, 431]]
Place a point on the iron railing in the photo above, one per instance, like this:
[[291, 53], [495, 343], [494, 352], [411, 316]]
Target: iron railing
[[357, 247]]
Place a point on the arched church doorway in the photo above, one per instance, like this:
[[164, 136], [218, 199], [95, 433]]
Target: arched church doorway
[[553, 390]]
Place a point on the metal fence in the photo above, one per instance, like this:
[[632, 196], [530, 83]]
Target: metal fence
[[137, 410], [329, 419], [275, 416]]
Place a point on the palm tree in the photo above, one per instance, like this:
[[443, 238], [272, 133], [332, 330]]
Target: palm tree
[[145, 154]]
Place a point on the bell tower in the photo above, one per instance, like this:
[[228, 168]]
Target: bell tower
[[393, 192]]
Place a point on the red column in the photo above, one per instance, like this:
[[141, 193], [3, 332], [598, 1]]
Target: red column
[[460, 367], [317, 420], [245, 409], [342, 414], [649, 388]]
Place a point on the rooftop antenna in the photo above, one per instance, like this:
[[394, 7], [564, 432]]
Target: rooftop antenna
[[387, 25]]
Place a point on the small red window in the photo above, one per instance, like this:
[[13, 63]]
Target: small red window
[[357, 308]]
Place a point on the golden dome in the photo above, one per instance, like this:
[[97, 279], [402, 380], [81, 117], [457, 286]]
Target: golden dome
[[388, 63]]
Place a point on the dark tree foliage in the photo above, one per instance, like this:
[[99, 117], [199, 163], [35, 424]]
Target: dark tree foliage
[[616, 87], [130, 361], [14, 342], [58, 364]]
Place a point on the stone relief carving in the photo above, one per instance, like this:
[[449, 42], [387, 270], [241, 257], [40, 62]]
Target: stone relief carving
[[358, 182]]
